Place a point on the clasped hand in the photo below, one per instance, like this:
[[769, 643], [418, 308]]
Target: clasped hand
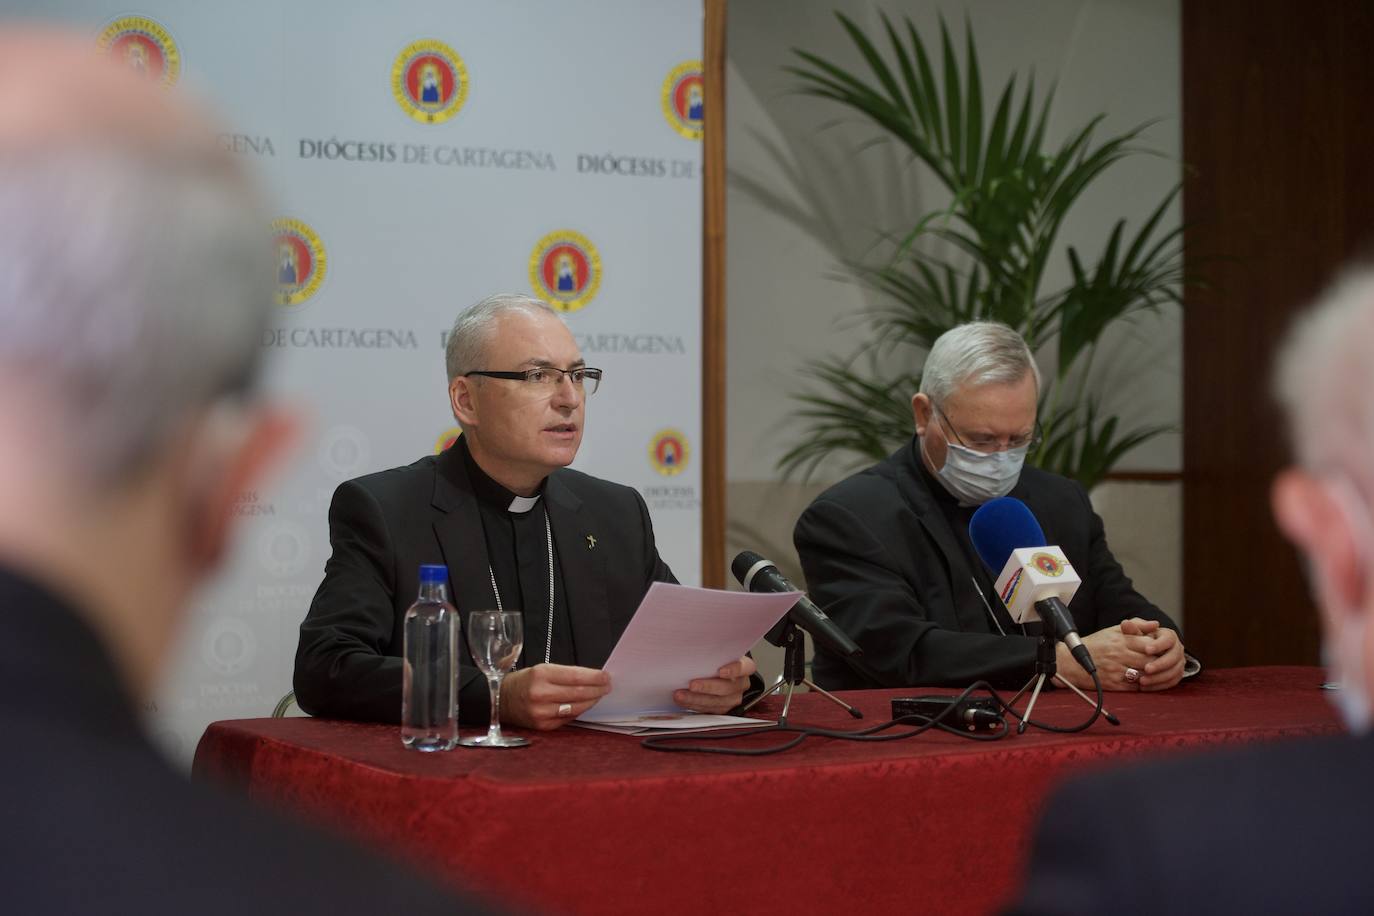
[[1154, 651], [547, 696]]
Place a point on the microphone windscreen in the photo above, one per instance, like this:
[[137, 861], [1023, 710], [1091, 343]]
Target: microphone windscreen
[[743, 563], [1000, 526]]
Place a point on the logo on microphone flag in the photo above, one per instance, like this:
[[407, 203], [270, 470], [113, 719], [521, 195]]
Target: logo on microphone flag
[[429, 81], [565, 270], [668, 452], [301, 261], [684, 99], [144, 46], [1034, 574]]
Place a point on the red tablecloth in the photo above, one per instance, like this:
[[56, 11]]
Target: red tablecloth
[[588, 822]]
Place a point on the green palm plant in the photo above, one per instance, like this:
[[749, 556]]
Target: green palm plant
[[1010, 192]]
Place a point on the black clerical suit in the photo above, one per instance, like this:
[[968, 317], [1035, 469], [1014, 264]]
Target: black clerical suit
[[886, 554], [445, 510], [96, 821], [1283, 828]]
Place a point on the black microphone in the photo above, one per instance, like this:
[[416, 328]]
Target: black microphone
[[759, 575], [1059, 622]]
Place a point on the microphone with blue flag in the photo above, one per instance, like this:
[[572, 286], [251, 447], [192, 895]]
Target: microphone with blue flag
[[1035, 581]]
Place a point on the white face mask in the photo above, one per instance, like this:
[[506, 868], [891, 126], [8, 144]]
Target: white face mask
[[1344, 657], [973, 478]]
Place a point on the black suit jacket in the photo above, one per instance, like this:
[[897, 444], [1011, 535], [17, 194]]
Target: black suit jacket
[[383, 526], [880, 558], [96, 821], [1274, 829]]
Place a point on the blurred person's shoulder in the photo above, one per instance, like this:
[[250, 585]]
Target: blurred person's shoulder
[[94, 824], [1281, 827]]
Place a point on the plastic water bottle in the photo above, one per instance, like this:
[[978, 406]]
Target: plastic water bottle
[[429, 704]]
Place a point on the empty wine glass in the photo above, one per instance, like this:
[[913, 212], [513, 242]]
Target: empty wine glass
[[495, 639]]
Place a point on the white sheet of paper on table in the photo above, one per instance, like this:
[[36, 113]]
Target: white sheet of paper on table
[[672, 723], [678, 634]]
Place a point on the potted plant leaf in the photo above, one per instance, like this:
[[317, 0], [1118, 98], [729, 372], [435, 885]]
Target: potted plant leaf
[[985, 254]]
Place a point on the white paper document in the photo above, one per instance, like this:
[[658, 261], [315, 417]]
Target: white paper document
[[672, 723], [679, 634]]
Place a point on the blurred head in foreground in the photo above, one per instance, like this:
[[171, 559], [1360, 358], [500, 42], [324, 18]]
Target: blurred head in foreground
[[1325, 502], [135, 277]]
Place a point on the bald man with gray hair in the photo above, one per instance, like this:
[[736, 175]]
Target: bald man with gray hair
[[135, 284], [1283, 828], [887, 552]]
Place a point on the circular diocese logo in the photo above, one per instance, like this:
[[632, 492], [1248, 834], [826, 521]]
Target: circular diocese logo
[[668, 452], [1047, 564], [565, 269], [283, 549], [300, 261], [229, 646], [447, 438], [144, 46], [343, 452], [429, 81], [684, 98]]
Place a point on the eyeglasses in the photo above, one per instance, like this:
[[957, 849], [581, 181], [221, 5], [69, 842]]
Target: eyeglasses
[[584, 379], [989, 444]]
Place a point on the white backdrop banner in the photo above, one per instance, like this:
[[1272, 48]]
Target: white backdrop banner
[[423, 155]]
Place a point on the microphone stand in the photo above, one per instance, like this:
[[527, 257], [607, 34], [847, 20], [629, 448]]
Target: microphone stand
[[1086, 699], [794, 672], [1046, 667]]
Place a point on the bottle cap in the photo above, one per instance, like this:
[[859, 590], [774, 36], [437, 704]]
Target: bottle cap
[[433, 572]]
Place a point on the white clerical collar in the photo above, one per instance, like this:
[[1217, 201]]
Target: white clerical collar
[[522, 504]]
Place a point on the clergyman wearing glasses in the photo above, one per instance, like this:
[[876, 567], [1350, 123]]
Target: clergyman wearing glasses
[[887, 552], [516, 528]]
